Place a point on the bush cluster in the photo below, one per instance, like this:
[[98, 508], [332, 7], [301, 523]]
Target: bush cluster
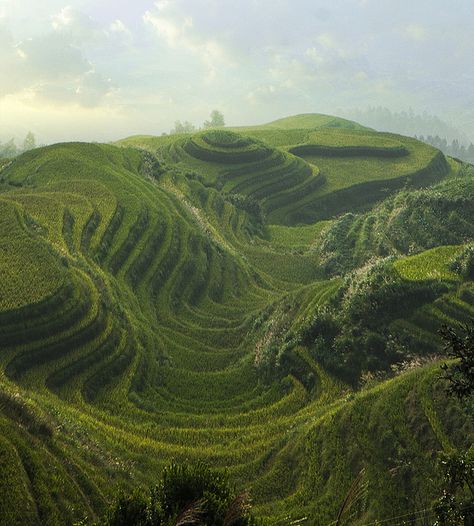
[[351, 334], [226, 139], [186, 494], [249, 204], [463, 263], [410, 222]]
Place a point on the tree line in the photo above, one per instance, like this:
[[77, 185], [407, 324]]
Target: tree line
[[423, 126], [454, 148], [407, 123], [216, 121], [10, 149]]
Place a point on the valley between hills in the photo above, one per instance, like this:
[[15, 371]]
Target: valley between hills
[[265, 299]]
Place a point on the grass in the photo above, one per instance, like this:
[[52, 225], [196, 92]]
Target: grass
[[25, 254], [311, 121], [350, 143], [301, 237], [408, 223], [154, 293], [429, 265], [341, 168]]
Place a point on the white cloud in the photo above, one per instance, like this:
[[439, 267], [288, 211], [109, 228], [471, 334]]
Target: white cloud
[[179, 32], [76, 26], [51, 69], [253, 59], [416, 32], [173, 30], [261, 93], [117, 27], [62, 19]]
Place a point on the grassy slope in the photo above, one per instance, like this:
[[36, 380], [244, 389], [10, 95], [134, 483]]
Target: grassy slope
[[139, 348], [350, 168]]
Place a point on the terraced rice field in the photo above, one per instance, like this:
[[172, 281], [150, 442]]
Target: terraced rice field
[[152, 295], [301, 176]]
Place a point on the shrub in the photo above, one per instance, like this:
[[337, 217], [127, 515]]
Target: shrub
[[185, 484], [186, 494], [463, 263], [226, 139], [150, 166], [130, 510], [247, 203]]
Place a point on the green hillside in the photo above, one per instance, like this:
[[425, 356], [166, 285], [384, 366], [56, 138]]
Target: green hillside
[[221, 297], [305, 175], [313, 120]]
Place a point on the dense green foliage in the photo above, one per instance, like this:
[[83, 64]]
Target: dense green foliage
[[178, 298], [463, 264], [335, 169], [186, 494], [408, 223], [456, 505]]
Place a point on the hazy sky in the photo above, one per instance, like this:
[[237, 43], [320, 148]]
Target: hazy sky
[[103, 69]]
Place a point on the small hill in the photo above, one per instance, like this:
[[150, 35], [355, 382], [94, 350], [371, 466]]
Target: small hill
[[343, 170], [409, 222], [312, 121]]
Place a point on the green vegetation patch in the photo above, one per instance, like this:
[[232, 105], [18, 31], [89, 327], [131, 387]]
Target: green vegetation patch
[[431, 264], [222, 146], [345, 172], [313, 120], [226, 139], [409, 222], [297, 236], [198, 323], [350, 143], [30, 272]]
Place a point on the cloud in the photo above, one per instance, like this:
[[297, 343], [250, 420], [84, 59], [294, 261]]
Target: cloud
[[179, 33], [77, 27], [253, 59], [59, 77], [87, 90], [119, 29], [51, 68], [171, 28], [416, 32], [261, 94]]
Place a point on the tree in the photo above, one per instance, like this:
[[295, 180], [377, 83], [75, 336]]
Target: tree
[[30, 142], [183, 127], [217, 120], [459, 345], [186, 494], [456, 505], [470, 152], [8, 149]]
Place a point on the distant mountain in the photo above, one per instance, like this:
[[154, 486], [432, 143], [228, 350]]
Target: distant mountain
[[408, 123]]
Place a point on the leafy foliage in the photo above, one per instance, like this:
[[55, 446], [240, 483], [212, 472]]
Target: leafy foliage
[[408, 223], [216, 121], [456, 505], [459, 345], [186, 494], [463, 263]]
